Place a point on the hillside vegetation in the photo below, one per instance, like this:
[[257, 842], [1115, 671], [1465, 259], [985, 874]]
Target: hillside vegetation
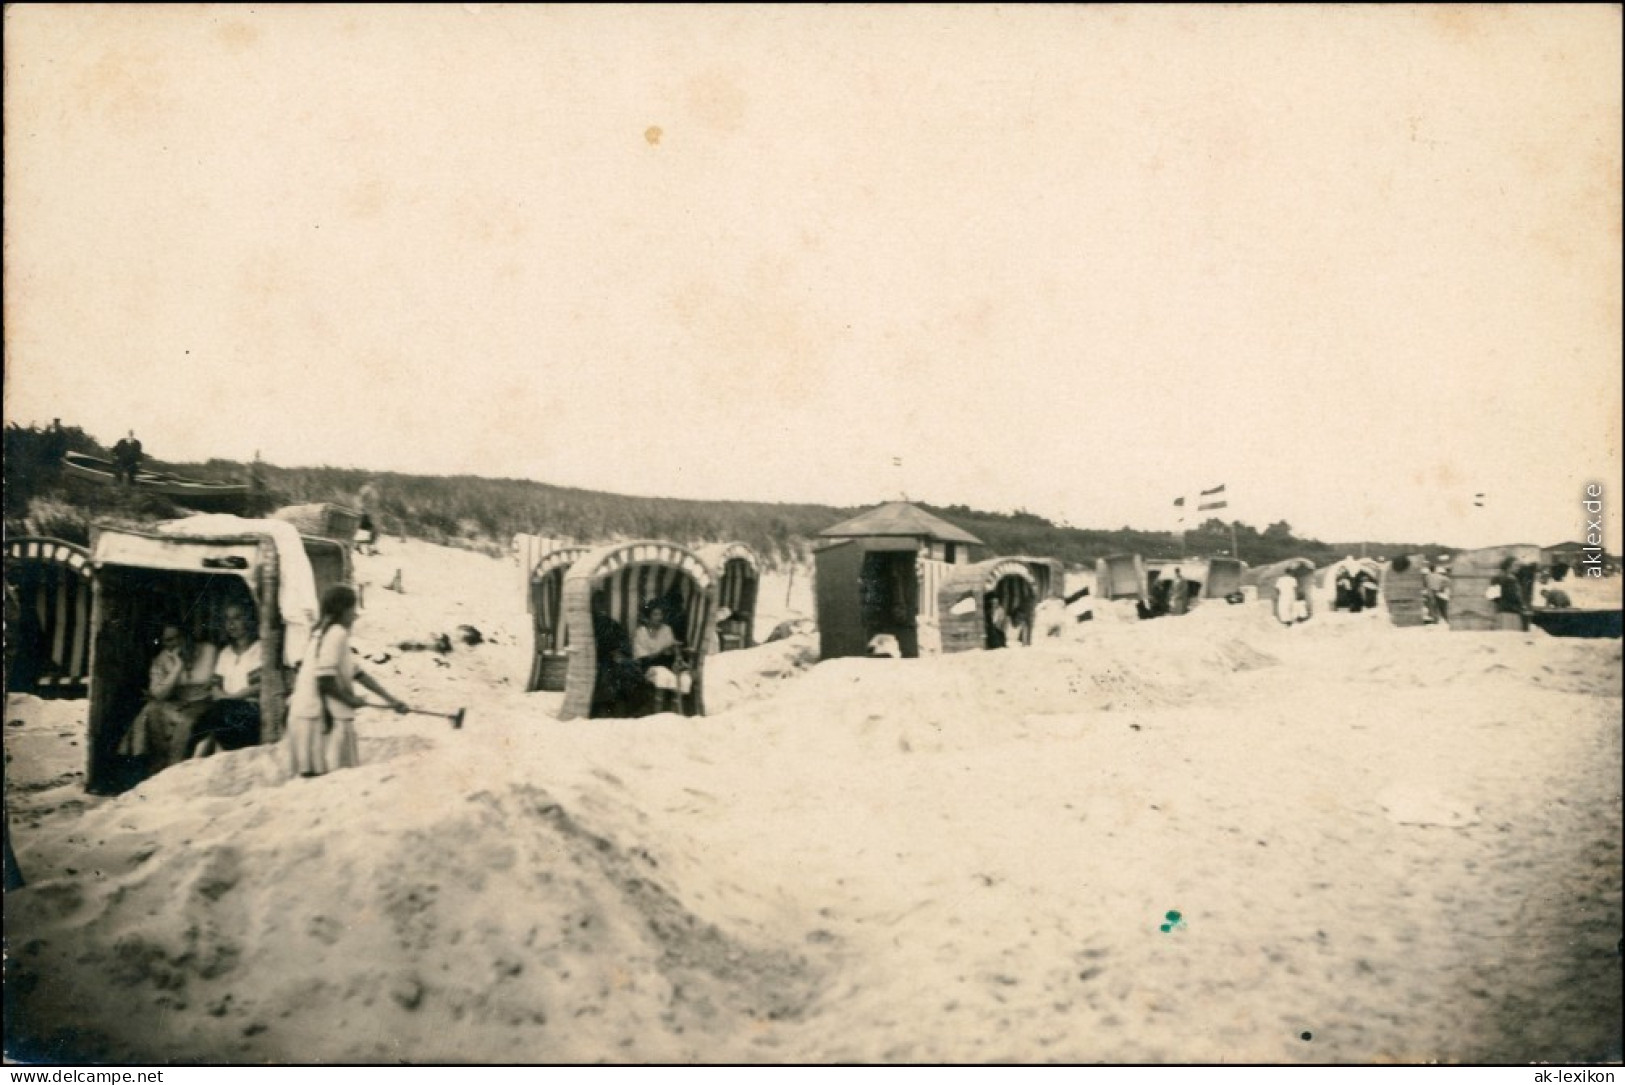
[[485, 513]]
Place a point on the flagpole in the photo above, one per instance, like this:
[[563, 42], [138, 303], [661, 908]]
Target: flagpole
[[1235, 551]]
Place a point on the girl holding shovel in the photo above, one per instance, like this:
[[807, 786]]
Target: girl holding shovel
[[321, 712]]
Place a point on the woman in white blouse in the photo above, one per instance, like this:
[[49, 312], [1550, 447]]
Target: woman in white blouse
[[233, 719]]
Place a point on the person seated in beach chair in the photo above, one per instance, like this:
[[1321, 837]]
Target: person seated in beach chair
[[232, 719], [661, 657], [178, 686], [619, 687]]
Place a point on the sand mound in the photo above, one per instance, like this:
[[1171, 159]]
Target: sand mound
[[366, 917]]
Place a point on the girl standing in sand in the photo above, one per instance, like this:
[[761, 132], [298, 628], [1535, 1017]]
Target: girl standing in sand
[[321, 713]]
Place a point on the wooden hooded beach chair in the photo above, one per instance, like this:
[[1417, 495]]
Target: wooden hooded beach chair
[[1121, 576], [145, 578], [1005, 580], [1223, 577], [48, 641], [738, 575], [545, 601], [631, 574], [1472, 573]]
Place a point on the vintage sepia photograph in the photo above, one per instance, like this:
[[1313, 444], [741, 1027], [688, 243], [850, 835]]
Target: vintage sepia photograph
[[775, 535]]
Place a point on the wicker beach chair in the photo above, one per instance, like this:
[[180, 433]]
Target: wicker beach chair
[[631, 574], [738, 576], [551, 659], [140, 577], [48, 646], [1006, 580]]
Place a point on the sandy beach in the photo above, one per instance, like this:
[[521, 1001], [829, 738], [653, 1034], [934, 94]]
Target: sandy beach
[[1206, 839]]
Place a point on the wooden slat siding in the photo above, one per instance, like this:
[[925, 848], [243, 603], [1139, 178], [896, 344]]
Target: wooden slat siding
[[932, 573], [1010, 582], [632, 573], [61, 603]]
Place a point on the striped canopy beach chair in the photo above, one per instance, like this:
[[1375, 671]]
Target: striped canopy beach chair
[[48, 644], [1006, 580], [631, 574], [545, 601], [738, 576]]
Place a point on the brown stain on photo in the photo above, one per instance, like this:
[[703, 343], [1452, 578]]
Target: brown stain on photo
[[717, 102], [1462, 22], [760, 344], [122, 84], [653, 134], [238, 36], [367, 198]]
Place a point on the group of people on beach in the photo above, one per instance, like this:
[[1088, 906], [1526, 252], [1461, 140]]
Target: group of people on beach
[[202, 697]]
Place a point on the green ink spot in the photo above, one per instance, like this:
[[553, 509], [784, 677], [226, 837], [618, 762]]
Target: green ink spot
[[1166, 928], [1173, 917]]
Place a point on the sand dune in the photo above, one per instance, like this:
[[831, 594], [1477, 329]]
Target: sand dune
[[1381, 845]]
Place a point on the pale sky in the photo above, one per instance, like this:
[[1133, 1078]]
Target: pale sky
[[1357, 264]]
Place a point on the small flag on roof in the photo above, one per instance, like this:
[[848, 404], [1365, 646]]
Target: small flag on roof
[[1213, 499], [1478, 501]]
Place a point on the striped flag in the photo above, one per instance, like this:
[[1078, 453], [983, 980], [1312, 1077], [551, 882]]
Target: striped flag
[[1478, 501], [1212, 499]]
